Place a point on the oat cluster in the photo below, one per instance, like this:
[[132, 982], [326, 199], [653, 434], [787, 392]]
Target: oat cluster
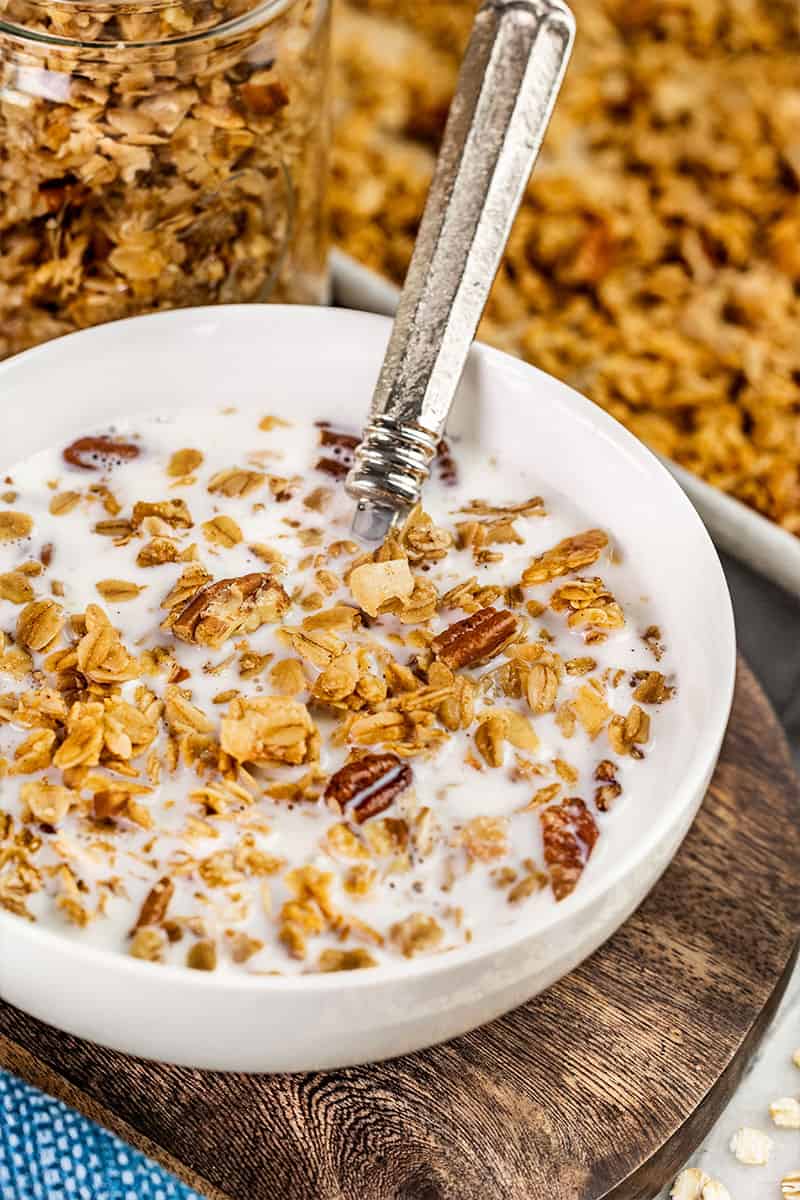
[[655, 262], [138, 179], [324, 693]]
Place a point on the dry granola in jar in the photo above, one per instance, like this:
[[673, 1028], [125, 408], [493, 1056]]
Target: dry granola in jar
[[157, 155]]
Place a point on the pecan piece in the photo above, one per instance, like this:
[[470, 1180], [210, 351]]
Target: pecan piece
[[341, 446], [445, 465], [370, 784], [332, 467], [155, 904], [569, 833], [476, 638], [99, 453], [265, 99], [218, 610]]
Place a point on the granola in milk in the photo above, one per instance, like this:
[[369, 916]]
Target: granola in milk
[[231, 738]]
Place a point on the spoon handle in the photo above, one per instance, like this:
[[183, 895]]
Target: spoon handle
[[509, 80]]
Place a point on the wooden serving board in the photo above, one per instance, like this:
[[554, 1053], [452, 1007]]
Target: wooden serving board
[[600, 1088]]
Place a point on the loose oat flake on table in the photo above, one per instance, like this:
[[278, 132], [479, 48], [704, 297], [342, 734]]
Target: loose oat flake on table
[[232, 738]]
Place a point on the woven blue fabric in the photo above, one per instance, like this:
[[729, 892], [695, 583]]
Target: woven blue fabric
[[49, 1152]]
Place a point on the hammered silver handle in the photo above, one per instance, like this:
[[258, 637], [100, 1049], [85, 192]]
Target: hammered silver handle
[[508, 84]]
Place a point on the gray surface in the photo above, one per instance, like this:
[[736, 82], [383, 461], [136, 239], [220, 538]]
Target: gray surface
[[768, 632], [768, 622]]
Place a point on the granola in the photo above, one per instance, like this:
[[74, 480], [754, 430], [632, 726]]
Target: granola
[[154, 158], [281, 751], [654, 262]]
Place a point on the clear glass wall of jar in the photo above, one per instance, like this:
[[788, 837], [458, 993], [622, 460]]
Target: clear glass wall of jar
[[156, 155]]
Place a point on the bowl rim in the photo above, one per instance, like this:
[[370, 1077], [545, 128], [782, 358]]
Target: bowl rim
[[701, 762]]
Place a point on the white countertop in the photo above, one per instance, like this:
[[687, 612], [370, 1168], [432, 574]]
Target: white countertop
[[767, 622], [771, 1076]]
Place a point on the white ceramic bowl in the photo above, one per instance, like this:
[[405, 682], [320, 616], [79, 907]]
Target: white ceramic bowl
[[314, 359]]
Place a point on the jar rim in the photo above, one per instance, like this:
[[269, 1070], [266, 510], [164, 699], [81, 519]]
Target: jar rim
[[263, 12]]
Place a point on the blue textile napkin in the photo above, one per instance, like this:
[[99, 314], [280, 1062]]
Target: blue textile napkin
[[49, 1152]]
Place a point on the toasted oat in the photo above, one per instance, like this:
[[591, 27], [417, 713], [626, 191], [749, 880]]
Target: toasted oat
[[541, 684], [202, 956], [484, 838], [627, 734], [222, 531], [173, 513], [242, 947], [526, 887], [416, 934], [590, 605], [15, 525], [580, 666], [528, 508], [157, 552], [268, 729], [267, 554], [63, 503], [183, 462], [790, 1184], [288, 677], [118, 528], [48, 802], [236, 481], [101, 654], [115, 591], [148, 944], [39, 624], [490, 738], [501, 725], [591, 709], [569, 555], [345, 960], [15, 587], [650, 687], [421, 540]]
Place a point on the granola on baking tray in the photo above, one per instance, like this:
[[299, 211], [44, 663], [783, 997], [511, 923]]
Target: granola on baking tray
[[230, 737], [655, 262]]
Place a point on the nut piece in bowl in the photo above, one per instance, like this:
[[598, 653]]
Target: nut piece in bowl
[[249, 760]]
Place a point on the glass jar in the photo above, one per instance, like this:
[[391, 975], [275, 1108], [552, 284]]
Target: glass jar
[[155, 155]]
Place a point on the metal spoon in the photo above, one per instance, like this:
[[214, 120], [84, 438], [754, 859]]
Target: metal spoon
[[508, 84]]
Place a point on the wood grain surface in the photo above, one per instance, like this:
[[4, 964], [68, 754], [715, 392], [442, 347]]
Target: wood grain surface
[[600, 1088]]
